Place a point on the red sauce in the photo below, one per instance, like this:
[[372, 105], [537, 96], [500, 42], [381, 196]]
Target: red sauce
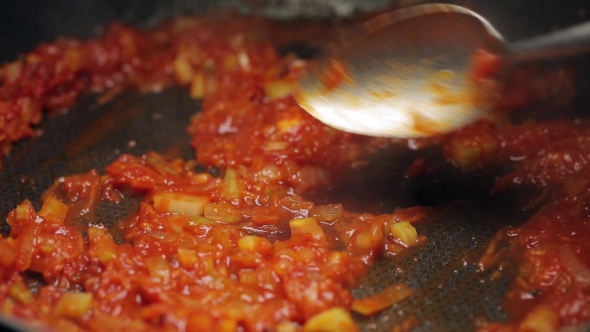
[[485, 65], [242, 252], [246, 251]]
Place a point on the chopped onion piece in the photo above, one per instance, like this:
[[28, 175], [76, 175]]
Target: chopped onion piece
[[326, 213], [25, 211], [223, 212], [209, 65], [227, 325], [187, 258], [405, 233], [275, 146], [287, 327], [200, 178], [231, 188], [230, 62], [254, 243], [54, 211], [573, 266], [19, 292], [386, 298], [270, 172], [313, 175], [13, 71], [364, 240], [189, 205], [202, 86], [158, 267], [183, 71], [197, 90], [73, 305], [106, 249], [244, 60], [332, 320], [160, 165], [202, 221], [279, 89], [541, 319], [306, 226], [289, 125]]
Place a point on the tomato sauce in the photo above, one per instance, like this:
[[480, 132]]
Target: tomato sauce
[[241, 252], [245, 251]]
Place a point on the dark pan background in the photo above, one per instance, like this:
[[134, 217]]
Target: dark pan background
[[450, 293]]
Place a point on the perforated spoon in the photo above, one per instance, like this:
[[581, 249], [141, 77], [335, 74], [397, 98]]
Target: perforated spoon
[[408, 73]]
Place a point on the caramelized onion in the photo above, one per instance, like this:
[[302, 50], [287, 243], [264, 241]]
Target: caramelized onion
[[574, 267]]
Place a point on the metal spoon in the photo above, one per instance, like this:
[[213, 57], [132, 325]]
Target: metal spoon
[[407, 73]]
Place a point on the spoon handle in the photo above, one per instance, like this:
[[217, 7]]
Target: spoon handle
[[571, 41]]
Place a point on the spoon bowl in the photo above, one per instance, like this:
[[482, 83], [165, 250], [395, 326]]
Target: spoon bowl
[[409, 73]]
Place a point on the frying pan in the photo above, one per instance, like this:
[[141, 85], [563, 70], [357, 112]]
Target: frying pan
[[450, 293]]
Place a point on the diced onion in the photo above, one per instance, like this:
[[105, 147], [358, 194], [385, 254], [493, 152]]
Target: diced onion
[[313, 175], [289, 125], [287, 327], [183, 71], [278, 89], [158, 267], [541, 319], [326, 213], [54, 211], [200, 178], [405, 233], [466, 153], [227, 325], [270, 172], [13, 71], [106, 249], [230, 62], [197, 89], [578, 270], [160, 165], [19, 292], [253, 243], [244, 60], [275, 146], [202, 221], [73, 305], [209, 65], [187, 258], [364, 240], [306, 226], [202, 85], [332, 320], [189, 205], [388, 297], [231, 187], [463, 155], [25, 211], [223, 212]]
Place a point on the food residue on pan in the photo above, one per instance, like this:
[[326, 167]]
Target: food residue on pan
[[334, 74]]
